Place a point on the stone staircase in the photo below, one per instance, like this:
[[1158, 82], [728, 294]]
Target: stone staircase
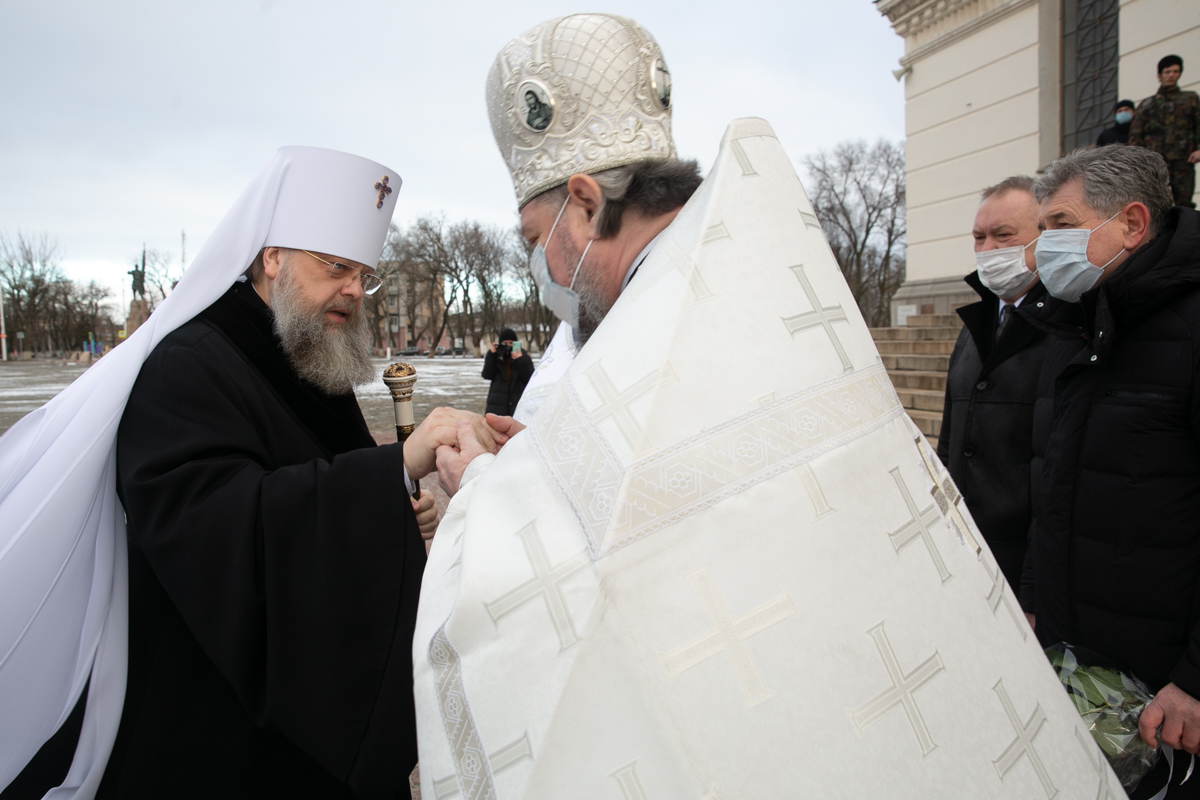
[[916, 357]]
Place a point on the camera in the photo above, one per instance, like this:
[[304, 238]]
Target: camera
[[503, 349]]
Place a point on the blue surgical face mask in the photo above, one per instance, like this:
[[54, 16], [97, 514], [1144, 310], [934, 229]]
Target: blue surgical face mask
[[1062, 261], [1124, 117], [562, 300]]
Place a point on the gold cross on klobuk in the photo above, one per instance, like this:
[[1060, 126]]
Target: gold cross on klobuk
[[383, 189]]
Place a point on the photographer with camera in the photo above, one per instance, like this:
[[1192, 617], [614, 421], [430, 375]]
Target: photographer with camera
[[509, 369]]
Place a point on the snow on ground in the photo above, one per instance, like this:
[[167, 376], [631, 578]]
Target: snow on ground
[[26, 385]]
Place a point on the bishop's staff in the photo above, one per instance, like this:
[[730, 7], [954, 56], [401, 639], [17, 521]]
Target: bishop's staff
[[399, 379]]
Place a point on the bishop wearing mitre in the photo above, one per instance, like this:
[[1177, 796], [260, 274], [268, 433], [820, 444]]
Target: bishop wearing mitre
[[707, 569], [208, 570]]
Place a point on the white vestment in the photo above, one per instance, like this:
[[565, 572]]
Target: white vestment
[[723, 562], [552, 366], [560, 353]]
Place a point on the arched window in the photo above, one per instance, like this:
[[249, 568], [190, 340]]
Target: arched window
[[1089, 69]]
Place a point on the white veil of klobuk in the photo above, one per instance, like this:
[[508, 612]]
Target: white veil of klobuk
[[63, 582]]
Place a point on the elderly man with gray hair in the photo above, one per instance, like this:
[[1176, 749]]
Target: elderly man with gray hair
[[1114, 561]]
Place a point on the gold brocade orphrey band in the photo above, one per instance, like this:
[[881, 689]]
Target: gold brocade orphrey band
[[616, 505]]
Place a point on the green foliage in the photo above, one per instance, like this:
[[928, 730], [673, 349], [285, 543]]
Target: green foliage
[[1110, 702]]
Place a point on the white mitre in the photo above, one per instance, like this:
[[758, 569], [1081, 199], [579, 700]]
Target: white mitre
[[578, 94], [63, 588]]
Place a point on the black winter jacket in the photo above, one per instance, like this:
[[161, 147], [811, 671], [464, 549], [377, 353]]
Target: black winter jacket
[[1117, 134], [987, 421], [1114, 562], [506, 390]]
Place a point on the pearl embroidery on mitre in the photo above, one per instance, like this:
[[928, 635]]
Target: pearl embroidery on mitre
[[576, 95]]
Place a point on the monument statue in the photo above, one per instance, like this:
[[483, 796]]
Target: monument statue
[[139, 281]]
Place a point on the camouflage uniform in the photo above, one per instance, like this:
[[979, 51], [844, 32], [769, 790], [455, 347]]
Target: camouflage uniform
[[1169, 124]]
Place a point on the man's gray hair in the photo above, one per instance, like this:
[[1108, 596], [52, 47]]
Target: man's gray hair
[[1113, 177], [650, 187], [1019, 183]]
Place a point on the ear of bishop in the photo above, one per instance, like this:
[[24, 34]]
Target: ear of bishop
[[579, 94]]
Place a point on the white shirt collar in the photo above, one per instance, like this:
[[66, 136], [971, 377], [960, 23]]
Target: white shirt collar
[[1014, 303]]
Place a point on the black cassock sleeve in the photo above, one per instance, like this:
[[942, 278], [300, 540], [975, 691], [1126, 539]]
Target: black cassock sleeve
[[298, 575]]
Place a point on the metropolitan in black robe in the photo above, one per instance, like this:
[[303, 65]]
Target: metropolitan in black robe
[[274, 569]]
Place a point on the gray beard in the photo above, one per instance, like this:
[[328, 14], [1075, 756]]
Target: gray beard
[[593, 305], [335, 359]]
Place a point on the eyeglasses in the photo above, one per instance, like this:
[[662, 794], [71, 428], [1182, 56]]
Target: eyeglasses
[[346, 273]]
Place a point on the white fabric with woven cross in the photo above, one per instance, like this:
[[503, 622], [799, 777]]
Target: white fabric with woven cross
[[722, 562]]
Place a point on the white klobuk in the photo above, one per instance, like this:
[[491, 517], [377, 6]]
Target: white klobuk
[[723, 563]]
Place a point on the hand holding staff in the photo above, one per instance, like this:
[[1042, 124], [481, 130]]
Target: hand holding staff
[[400, 379]]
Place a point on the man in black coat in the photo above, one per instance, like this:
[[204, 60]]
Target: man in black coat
[[1122, 120], [274, 561], [509, 370], [987, 421], [1114, 561]]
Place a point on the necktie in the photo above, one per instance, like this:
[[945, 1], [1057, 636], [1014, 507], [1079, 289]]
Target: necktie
[[1005, 314]]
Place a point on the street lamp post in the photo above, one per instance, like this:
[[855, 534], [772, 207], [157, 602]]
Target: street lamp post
[[3, 333]]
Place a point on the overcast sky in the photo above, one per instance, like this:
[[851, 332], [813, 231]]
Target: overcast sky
[[127, 122]]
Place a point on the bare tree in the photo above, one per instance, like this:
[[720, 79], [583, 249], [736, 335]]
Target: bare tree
[[435, 283], [528, 309], [94, 309], [385, 303], [467, 261], [30, 277], [480, 255], [54, 313], [79, 312], [465, 277], [161, 274], [857, 192]]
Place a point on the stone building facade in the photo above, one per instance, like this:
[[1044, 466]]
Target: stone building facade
[[1002, 87]]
